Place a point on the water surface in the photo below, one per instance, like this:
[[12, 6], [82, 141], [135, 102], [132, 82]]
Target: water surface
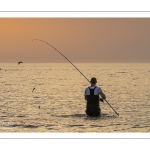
[[57, 104]]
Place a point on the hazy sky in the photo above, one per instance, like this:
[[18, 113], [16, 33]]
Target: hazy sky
[[79, 39]]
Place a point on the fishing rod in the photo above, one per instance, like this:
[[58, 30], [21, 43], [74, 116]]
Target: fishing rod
[[111, 107], [63, 56], [72, 65]]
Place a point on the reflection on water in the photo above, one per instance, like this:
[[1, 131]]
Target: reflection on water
[[57, 103]]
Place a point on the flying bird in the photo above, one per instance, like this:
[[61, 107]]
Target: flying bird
[[20, 62], [33, 89]]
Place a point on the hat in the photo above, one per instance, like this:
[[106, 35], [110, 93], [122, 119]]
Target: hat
[[93, 80]]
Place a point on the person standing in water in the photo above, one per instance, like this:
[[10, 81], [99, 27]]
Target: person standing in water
[[92, 98]]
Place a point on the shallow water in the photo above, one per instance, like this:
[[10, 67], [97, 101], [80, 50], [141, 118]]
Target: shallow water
[[59, 90]]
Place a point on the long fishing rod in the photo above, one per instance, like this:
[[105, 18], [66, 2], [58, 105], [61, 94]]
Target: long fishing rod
[[63, 56], [111, 107], [72, 65]]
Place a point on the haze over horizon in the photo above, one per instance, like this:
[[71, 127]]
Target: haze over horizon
[[93, 40]]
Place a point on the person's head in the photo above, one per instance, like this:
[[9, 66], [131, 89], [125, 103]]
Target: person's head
[[93, 81]]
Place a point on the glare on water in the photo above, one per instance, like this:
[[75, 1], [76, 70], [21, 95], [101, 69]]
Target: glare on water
[[57, 103]]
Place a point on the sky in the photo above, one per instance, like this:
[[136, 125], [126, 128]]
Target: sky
[[81, 40]]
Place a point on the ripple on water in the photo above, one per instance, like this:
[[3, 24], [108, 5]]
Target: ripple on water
[[49, 125], [58, 105], [72, 115], [8, 84], [75, 125], [36, 97], [93, 126], [139, 126], [20, 116], [50, 128], [122, 72], [24, 126], [3, 116], [30, 126]]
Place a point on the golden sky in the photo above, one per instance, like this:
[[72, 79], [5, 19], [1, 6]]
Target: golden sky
[[79, 39]]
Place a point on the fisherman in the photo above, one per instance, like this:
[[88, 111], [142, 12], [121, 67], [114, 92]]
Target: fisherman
[[92, 97]]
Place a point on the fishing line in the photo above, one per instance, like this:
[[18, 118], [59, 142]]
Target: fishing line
[[72, 65]]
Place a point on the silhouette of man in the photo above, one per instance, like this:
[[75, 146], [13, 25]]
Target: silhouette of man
[[92, 99]]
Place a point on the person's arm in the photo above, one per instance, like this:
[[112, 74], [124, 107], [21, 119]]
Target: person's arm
[[102, 95]]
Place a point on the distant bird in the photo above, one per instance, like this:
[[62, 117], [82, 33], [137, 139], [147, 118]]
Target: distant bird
[[20, 62], [0, 69], [33, 89], [39, 107]]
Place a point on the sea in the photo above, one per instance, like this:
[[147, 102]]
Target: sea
[[49, 97]]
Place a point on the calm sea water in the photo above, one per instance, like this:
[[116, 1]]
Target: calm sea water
[[57, 104]]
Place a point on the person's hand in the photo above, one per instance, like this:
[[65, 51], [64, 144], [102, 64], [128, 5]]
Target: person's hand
[[101, 100]]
